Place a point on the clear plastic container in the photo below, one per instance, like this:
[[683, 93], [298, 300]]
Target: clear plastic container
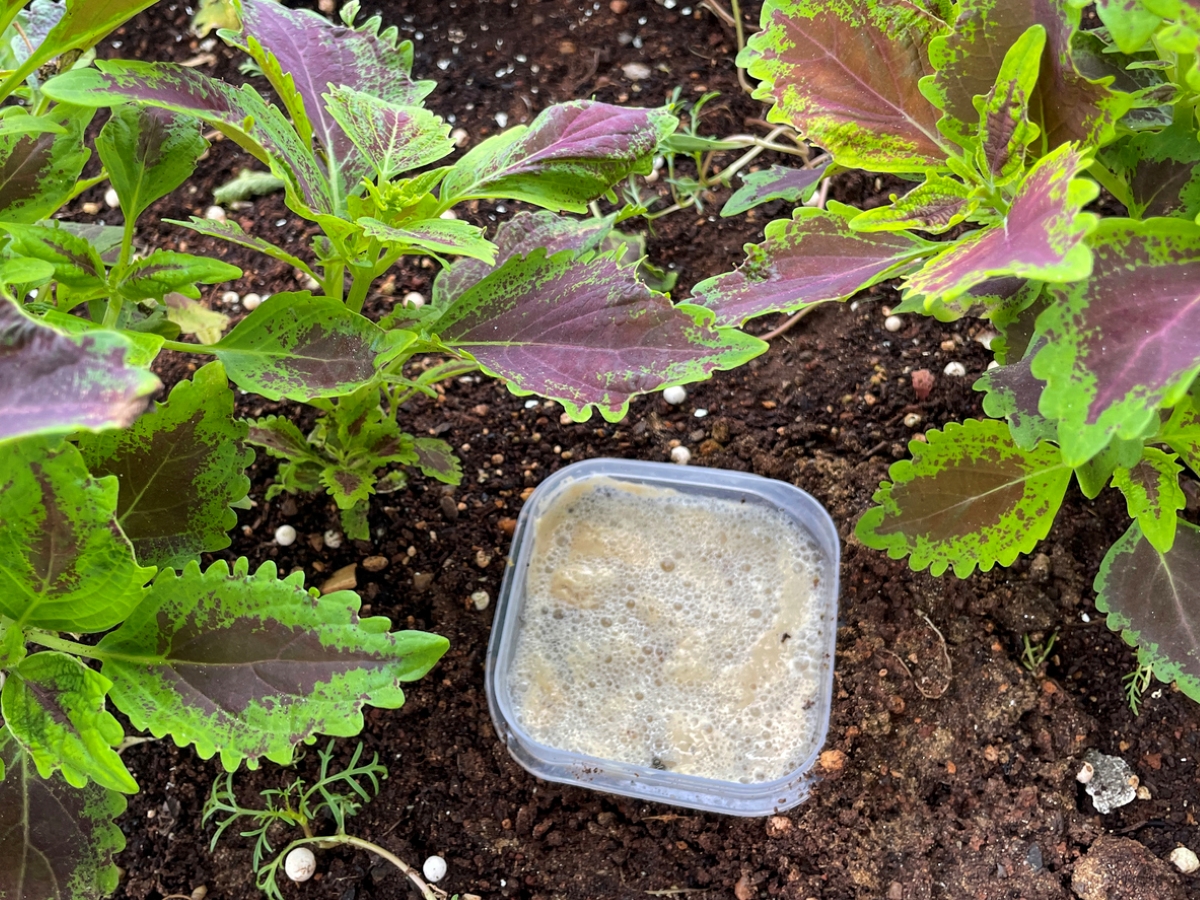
[[647, 782]]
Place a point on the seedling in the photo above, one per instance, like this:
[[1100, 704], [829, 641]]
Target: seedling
[[337, 794], [1034, 655]]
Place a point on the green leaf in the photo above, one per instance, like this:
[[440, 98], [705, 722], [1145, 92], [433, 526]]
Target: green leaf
[[1108, 364], [251, 666], [936, 205], [1182, 432], [54, 706], [57, 842], [148, 153], [232, 232], [1095, 474], [969, 497], [64, 563], [1128, 22], [76, 262], [247, 184], [1042, 236], [38, 171], [194, 317], [1152, 598], [1153, 495], [775, 183], [303, 347], [569, 155], [281, 438], [54, 384], [348, 487], [846, 74], [1004, 127], [436, 459], [143, 347], [392, 138], [166, 271], [179, 469], [437, 236]]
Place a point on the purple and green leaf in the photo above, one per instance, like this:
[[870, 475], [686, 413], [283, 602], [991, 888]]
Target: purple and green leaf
[[568, 156], [64, 563], [1005, 131], [1182, 431], [436, 236], [1128, 22], [54, 706], [936, 205], [1152, 598], [775, 183], [846, 75], [147, 153], [1096, 474], [281, 438], [1161, 170], [54, 384], [583, 330], [814, 257], [436, 459], [57, 842], [232, 232], [167, 271], [392, 138], [76, 262], [179, 469], [1109, 365], [38, 171], [251, 666], [302, 347], [968, 498], [1042, 235], [1153, 495]]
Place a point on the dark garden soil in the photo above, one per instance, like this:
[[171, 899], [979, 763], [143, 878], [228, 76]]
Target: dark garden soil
[[941, 779]]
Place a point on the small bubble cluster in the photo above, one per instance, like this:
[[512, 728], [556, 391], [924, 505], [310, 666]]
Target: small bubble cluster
[[671, 630]]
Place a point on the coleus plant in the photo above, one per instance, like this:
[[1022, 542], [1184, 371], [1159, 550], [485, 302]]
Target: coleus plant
[[547, 305], [1008, 118]]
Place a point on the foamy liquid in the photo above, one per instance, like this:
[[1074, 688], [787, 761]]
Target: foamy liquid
[[672, 631]]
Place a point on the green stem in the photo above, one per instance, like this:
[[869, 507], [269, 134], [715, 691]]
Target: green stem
[[54, 642], [113, 312], [334, 281], [426, 891], [87, 184], [363, 277], [1112, 183], [181, 347]]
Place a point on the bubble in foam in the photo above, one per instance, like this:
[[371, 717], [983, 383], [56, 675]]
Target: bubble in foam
[[684, 611]]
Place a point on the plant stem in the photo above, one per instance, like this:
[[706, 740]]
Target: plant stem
[[181, 347], [426, 891], [54, 642], [363, 276], [87, 183], [736, 8], [1111, 182]]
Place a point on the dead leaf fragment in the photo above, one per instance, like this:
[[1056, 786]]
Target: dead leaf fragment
[[344, 579]]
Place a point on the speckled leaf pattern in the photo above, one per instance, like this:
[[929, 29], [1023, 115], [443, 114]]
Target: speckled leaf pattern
[[968, 60], [1162, 171], [569, 155], [57, 842], [846, 74], [437, 236], [1153, 495], [1182, 431], [233, 232], [302, 347], [968, 498], [992, 298], [179, 468], [54, 384], [239, 113], [584, 331], [774, 183], [936, 205], [164, 271], [348, 487], [1096, 474], [147, 153], [64, 563], [436, 459], [1128, 22], [520, 236], [317, 54], [280, 437], [1013, 394], [249, 666], [54, 706], [1152, 598], [1107, 370], [76, 262], [1042, 236], [392, 138], [1005, 130], [812, 258], [38, 171], [143, 346]]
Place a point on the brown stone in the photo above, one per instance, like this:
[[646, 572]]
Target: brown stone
[[375, 563], [344, 579], [1118, 868]]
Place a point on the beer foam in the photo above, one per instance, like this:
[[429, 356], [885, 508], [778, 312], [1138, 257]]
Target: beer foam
[[670, 630]]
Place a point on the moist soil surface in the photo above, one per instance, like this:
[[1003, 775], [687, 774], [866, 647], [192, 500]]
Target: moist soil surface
[[949, 770]]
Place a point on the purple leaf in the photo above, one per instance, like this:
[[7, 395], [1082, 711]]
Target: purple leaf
[[968, 60], [812, 258], [570, 154], [775, 183], [1162, 170], [1042, 236], [847, 76], [317, 54], [582, 330], [436, 459], [1153, 598], [53, 384], [1126, 340], [392, 138]]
